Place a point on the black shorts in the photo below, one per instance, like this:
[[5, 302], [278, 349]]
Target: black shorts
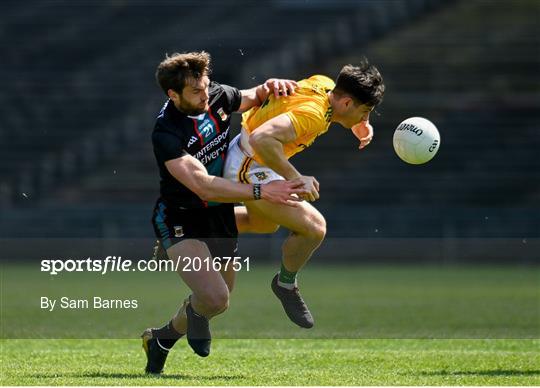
[[214, 225]]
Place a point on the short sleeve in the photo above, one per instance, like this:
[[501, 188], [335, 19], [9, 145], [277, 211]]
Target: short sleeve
[[233, 97], [307, 119], [167, 146]]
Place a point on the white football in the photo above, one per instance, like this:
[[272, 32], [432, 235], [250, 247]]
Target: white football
[[416, 140]]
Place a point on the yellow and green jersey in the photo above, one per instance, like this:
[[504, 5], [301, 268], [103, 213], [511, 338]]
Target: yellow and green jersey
[[309, 110]]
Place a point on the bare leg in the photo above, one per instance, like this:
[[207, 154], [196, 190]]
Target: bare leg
[[253, 221], [308, 229], [306, 224], [210, 289]]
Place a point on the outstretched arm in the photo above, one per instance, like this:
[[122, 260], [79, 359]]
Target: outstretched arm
[[191, 173], [256, 96]]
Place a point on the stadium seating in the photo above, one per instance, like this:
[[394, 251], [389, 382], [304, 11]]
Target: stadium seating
[[79, 99]]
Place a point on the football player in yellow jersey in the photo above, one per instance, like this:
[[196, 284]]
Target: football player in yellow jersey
[[275, 131]]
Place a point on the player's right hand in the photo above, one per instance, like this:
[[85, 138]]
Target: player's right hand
[[284, 192], [311, 185]]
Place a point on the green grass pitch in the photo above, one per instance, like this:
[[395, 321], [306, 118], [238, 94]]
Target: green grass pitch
[[375, 325], [277, 362]]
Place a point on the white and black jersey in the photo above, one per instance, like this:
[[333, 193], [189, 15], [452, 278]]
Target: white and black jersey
[[206, 137]]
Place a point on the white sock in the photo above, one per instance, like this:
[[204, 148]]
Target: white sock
[[288, 286]]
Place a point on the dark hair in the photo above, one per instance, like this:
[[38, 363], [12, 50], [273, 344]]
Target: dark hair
[[363, 83], [173, 71]]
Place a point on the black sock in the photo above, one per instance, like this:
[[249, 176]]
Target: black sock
[[167, 335]]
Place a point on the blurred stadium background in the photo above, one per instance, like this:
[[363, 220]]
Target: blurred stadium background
[[78, 101]]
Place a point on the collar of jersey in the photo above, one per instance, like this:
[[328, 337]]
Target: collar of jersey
[[198, 117]]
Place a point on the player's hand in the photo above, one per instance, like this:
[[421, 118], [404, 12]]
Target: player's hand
[[312, 188], [364, 132], [280, 87], [284, 192]]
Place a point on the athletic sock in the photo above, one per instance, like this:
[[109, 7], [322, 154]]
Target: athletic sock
[[167, 335], [286, 278]]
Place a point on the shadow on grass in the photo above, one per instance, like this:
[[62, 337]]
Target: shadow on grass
[[108, 375], [494, 372]]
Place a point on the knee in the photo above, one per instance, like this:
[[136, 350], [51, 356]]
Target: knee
[[216, 302], [316, 230]]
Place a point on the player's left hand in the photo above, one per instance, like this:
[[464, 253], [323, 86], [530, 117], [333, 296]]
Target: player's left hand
[[280, 87], [364, 132]]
